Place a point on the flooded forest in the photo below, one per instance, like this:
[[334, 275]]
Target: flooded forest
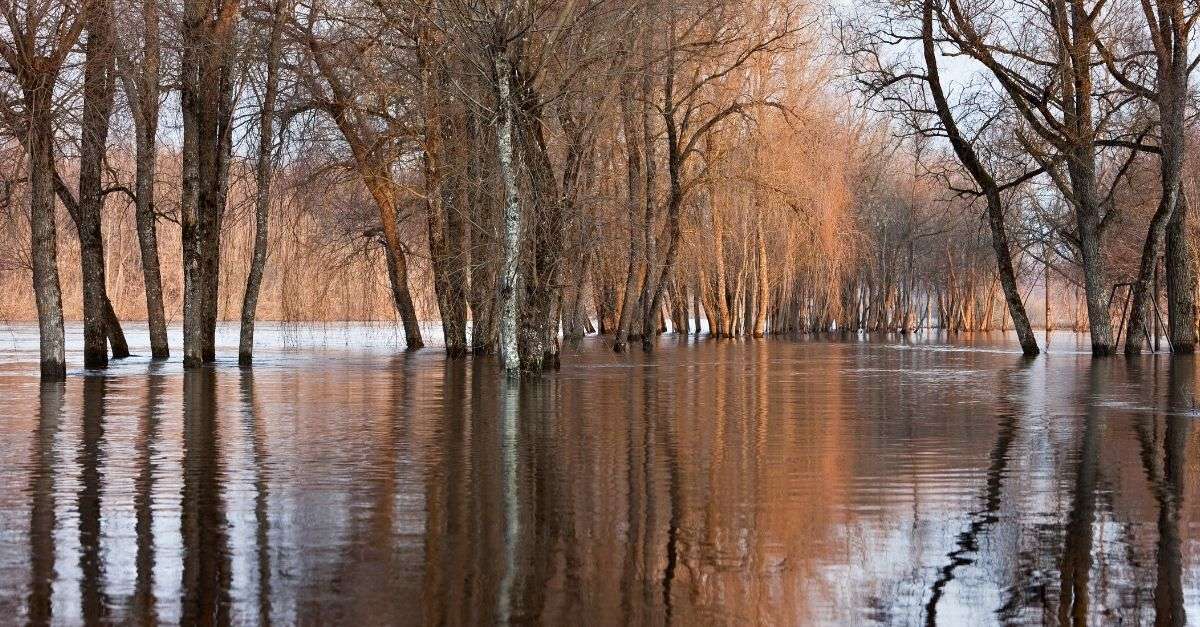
[[622, 311]]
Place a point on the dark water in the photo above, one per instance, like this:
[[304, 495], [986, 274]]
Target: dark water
[[740, 482]]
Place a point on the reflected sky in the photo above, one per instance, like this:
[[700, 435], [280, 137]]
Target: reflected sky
[[738, 482]]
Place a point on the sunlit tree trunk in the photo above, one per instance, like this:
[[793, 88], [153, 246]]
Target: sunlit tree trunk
[[762, 285]]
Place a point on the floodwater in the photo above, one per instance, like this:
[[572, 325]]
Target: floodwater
[[894, 481]]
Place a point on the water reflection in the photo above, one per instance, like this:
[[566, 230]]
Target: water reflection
[[42, 517], [710, 483], [1009, 394], [145, 604], [203, 526], [255, 432], [1167, 483], [91, 457], [1077, 551]]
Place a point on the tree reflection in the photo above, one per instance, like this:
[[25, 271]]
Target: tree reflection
[[145, 605], [42, 518], [967, 542], [91, 478], [510, 440], [1167, 486], [1076, 562], [256, 432], [203, 525]]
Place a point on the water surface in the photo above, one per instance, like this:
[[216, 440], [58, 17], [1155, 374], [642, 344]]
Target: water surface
[[896, 481]]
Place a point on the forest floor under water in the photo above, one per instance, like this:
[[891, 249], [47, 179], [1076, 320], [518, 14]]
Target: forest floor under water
[[896, 480]]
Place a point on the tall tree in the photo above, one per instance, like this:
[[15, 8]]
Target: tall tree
[[98, 88], [264, 168], [206, 64], [990, 189], [1052, 85], [42, 35], [369, 131], [1163, 36], [140, 83]]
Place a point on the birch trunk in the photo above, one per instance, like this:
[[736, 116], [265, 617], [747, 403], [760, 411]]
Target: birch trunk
[[510, 220]]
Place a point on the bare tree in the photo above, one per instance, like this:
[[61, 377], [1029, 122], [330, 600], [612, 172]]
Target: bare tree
[[98, 88], [368, 131], [140, 83], [703, 47], [206, 63], [1045, 67], [264, 167], [1163, 37], [42, 35]]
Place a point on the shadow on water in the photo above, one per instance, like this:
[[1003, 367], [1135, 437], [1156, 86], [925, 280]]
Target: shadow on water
[[709, 483]]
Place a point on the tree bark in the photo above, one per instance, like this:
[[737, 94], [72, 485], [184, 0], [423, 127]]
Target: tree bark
[[38, 95], [442, 186], [482, 242], [764, 292], [262, 196], [97, 108], [206, 98], [634, 190], [995, 207], [143, 95], [511, 217], [1181, 281], [652, 285]]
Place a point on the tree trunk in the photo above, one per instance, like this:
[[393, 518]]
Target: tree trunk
[[142, 93], [38, 95], [511, 220], [995, 207], [97, 108], [443, 221], [651, 292], [397, 267], [1173, 145], [148, 245], [764, 293], [575, 321], [1095, 280], [207, 105], [482, 242], [1181, 281], [262, 196], [724, 327], [116, 337], [635, 190]]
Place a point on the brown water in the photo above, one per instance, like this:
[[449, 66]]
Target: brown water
[[736, 482]]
